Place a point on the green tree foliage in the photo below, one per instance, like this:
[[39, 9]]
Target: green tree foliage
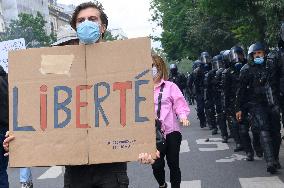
[[184, 66], [193, 26], [31, 28], [109, 37]]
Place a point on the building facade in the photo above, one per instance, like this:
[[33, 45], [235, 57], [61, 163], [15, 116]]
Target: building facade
[[12, 8], [57, 16]]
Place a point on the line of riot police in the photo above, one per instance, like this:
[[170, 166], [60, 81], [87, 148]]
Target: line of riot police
[[238, 93], [181, 81]]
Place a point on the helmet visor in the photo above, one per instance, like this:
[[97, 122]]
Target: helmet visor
[[204, 59], [234, 57]]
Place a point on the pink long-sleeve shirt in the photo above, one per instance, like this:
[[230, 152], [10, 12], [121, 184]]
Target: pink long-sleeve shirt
[[173, 106]]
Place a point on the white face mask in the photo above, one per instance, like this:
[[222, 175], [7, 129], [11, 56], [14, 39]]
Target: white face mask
[[154, 72]]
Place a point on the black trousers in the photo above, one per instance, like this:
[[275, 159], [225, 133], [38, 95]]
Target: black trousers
[[173, 141], [220, 116], [233, 124], [210, 112], [200, 108], [111, 175], [245, 126], [267, 121]]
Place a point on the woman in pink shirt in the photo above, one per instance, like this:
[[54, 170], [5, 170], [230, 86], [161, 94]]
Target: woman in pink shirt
[[174, 111]]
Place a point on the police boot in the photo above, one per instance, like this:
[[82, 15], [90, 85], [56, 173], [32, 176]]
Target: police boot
[[267, 146], [271, 168], [224, 139], [277, 164], [202, 124], [238, 148], [210, 127], [250, 156], [259, 154], [175, 185], [164, 186], [214, 131]]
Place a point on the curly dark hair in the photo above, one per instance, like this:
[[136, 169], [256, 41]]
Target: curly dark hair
[[86, 5]]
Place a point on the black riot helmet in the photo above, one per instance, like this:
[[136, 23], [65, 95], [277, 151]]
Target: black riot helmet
[[173, 66], [282, 32], [205, 57], [217, 62], [237, 54], [196, 64], [221, 53], [226, 58], [173, 69], [254, 48]]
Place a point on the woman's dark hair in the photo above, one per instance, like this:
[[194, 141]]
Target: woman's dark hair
[[83, 6]]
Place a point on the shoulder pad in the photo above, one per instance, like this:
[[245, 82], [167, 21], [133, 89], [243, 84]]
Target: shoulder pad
[[245, 68]]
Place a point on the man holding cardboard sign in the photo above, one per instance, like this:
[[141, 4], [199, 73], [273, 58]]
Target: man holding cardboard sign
[[89, 108]]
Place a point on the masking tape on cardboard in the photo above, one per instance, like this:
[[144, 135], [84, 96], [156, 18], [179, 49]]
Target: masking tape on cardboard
[[56, 64]]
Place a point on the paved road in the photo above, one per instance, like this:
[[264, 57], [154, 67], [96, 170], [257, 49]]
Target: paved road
[[203, 164]]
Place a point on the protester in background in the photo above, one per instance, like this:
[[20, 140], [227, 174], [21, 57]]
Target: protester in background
[[3, 126], [173, 105]]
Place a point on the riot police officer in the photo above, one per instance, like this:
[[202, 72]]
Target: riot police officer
[[178, 78], [210, 93], [238, 57], [190, 89], [258, 93], [219, 65], [205, 58], [198, 81], [230, 79]]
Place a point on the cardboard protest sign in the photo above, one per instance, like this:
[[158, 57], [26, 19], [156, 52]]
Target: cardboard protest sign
[[7, 46], [85, 104]]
